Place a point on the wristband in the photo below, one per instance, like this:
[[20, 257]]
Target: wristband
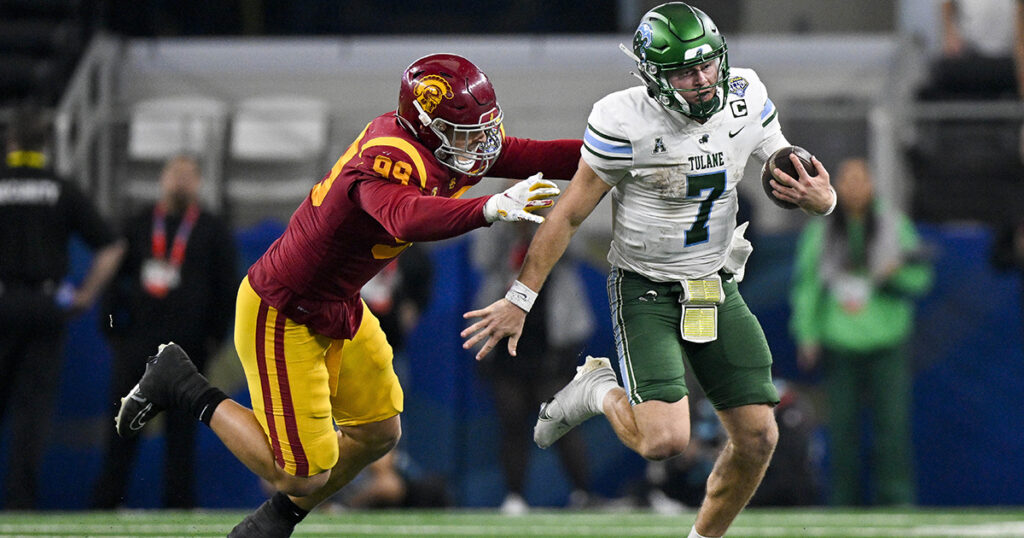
[[521, 296]]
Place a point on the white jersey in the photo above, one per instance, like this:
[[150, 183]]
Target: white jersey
[[674, 199]]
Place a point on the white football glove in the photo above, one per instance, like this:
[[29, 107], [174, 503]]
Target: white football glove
[[518, 202]]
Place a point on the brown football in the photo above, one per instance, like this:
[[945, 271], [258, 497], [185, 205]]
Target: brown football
[[780, 160]]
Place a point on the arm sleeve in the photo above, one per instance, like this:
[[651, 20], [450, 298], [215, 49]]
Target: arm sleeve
[[406, 213], [523, 157], [806, 293]]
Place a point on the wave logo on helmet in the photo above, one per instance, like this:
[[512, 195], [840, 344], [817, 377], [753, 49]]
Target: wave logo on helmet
[[644, 38], [429, 91]]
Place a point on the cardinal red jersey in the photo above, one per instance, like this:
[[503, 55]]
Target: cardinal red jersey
[[386, 191]]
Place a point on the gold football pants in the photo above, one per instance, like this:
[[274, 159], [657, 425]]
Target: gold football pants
[[302, 383]]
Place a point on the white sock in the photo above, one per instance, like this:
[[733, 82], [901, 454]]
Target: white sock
[[600, 392], [695, 534]]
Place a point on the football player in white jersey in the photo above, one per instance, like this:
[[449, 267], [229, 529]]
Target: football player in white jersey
[[671, 152]]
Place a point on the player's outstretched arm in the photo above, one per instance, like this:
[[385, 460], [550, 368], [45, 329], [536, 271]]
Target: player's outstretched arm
[[814, 194], [505, 317]]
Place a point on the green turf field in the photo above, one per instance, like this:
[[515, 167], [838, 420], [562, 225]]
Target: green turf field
[[753, 522]]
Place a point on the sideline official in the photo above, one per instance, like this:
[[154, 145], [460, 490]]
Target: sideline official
[[39, 213], [177, 283]]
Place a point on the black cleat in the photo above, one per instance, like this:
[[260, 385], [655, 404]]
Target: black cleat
[[156, 391], [265, 522]]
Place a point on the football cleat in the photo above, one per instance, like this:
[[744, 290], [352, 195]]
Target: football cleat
[[573, 404], [156, 390], [265, 522]]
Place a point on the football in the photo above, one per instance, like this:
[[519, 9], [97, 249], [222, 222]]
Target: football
[[780, 160]]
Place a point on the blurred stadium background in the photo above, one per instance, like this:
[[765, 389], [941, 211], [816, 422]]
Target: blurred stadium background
[[269, 93]]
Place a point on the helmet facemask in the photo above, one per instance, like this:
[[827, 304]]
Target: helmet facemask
[[673, 98], [467, 149]]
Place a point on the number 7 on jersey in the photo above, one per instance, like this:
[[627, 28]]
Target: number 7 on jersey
[[695, 187]]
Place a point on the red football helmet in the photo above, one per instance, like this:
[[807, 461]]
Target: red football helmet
[[449, 104]]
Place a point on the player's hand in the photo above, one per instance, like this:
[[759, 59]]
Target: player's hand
[[518, 202], [497, 321], [814, 194]]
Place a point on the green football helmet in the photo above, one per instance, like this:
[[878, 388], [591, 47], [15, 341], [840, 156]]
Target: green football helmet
[[676, 36]]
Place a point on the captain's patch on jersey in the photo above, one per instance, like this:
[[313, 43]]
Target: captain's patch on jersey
[[739, 109], [738, 86]]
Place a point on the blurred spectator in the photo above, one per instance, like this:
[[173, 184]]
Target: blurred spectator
[[39, 213], [177, 284], [856, 277], [549, 353], [981, 48]]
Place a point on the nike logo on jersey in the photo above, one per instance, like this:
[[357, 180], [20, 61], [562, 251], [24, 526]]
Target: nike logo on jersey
[[736, 132]]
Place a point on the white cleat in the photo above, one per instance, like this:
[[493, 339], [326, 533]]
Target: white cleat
[[574, 404]]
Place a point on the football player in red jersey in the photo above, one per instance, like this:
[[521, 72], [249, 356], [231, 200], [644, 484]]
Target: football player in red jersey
[[325, 398]]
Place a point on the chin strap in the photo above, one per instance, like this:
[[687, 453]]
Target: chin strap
[[422, 114], [625, 50]]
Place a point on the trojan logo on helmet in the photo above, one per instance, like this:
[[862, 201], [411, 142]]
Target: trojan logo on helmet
[[429, 91]]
